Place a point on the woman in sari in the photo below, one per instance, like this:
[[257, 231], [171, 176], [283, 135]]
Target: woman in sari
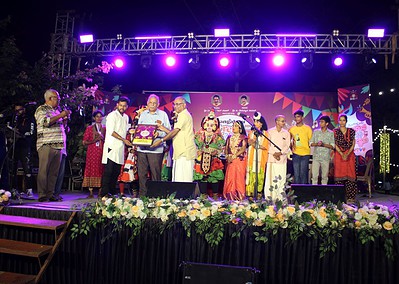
[[259, 142], [344, 159], [236, 145], [93, 138]]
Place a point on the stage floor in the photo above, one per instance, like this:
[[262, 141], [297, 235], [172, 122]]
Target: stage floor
[[73, 200]]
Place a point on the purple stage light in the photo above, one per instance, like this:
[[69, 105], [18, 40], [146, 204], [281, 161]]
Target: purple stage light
[[119, 63], [224, 61], [86, 38], [278, 60], [170, 61], [222, 32], [378, 33], [153, 37], [338, 61]]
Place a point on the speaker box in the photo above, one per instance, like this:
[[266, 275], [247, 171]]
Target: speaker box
[[202, 273], [163, 189], [331, 192]]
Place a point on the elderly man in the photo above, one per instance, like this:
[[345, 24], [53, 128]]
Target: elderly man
[[117, 125], [51, 142], [184, 149], [151, 158]]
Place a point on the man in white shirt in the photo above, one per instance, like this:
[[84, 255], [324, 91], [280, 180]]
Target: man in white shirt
[[184, 149], [117, 125]]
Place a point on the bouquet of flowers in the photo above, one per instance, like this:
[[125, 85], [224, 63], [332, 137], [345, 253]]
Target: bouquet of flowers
[[4, 197]]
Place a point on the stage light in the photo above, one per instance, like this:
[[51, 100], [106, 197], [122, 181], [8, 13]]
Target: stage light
[[380, 93], [153, 37], [307, 60], [86, 38], [119, 36], [337, 60], [170, 60], [221, 32], [190, 35], [392, 90], [194, 61], [254, 59], [118, 63], [278, 59], [224, 61], [145, 61], [335, 33], [369, 61], [256, 32], [376, 33]]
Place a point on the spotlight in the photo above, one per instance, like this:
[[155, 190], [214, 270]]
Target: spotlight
[[256, 32], [335, 33], [86, 38], [307, 60], [119, 36], [145, 61], [369, 61], [194, 61], [170, 60], [224, 61], [392, 90], [118, 63], [221, 32], [254, 60], [380, 93], [278, 59], [376, 33], [337, 60], [190, 35]]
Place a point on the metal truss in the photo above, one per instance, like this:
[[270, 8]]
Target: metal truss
[[264, 43]]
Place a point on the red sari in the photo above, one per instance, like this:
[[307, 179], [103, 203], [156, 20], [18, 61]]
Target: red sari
[[94, 168], [345, 170], [234, 182]]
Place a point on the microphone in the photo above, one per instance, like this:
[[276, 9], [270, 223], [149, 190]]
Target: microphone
[[31, 103], [243, 115]]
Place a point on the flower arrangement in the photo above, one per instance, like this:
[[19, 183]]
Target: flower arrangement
[[209, 218], [4, 197]]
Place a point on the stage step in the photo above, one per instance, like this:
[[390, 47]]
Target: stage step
[[23, 248], [16, 278], [28, 222]]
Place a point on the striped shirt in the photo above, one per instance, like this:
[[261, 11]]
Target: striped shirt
[[51, 135]]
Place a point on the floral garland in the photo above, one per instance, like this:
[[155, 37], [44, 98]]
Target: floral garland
[[208, 218]]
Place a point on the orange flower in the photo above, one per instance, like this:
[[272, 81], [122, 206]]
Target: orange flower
[[182, 214], [387, 225]]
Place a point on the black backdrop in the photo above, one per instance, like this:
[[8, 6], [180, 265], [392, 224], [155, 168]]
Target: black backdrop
[[155, 258]]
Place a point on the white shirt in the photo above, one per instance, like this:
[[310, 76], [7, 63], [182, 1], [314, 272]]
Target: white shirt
[[113, 147]]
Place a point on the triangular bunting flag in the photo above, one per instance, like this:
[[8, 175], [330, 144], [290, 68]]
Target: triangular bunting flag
[[306, 110], [169, 106], [298, 97], [277, 96], [319, 100], [309, 100], [186, 96], [286, 102], [315, 114], [295, 106]]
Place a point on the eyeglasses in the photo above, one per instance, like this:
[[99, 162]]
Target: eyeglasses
[[177, 104], [55, 97]]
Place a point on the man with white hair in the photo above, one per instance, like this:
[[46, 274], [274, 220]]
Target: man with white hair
[[51, 142]]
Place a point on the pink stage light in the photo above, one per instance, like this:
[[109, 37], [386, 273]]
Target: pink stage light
[[119, 63], [170, 61], [278, 60], [224, 61]]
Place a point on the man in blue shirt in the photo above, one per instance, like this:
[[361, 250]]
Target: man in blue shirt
[[151, 158]]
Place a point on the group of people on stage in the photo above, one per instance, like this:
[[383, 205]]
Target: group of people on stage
[[245, 164]]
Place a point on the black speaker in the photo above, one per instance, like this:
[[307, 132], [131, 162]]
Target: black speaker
[[163, 189], [202, 273], [331, 192]]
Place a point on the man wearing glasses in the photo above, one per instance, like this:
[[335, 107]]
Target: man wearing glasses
[[184, 149], [50, 144]]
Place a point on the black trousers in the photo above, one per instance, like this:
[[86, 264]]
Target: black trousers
[[23, 155], [110, 177]]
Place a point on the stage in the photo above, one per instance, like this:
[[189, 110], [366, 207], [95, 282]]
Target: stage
[[155, 257]]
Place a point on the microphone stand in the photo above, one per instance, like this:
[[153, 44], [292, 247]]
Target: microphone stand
[[257, 133]]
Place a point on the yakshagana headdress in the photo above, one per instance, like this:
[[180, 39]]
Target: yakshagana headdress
[[211, 116]]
